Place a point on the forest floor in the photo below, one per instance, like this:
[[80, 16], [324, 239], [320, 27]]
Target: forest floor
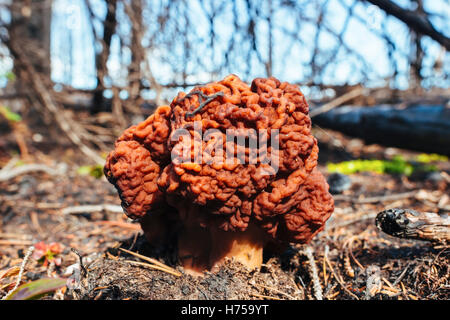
[[354, 260]]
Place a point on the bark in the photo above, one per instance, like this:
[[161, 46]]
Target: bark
[[411, 224]]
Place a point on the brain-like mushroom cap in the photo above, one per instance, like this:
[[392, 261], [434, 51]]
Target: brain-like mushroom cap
[[290, 200]]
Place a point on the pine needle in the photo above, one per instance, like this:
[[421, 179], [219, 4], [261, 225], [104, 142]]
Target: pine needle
[[155, 262]]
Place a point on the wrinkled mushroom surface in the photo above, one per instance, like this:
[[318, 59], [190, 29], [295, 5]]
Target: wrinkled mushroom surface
[[219, 208]]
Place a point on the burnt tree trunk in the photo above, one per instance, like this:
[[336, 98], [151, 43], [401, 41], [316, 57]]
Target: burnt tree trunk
[[109, 28], [421, 128], [411, 224], [417, 54], [30, 30], [137, 51]]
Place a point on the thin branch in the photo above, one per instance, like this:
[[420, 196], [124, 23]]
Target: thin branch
[[63, 122], [7, 173], [388, 197], [92, 208], [338, 101], [22, 269], [312, 263], [418, 23]]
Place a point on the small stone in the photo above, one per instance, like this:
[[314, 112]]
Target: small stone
[[185, 290], [434, 176], [339, 182]]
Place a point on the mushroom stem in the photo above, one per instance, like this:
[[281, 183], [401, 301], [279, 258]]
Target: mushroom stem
[[245, 247], [194, 246], [200, 249]]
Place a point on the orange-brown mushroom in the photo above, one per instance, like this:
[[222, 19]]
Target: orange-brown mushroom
[[218, 208]]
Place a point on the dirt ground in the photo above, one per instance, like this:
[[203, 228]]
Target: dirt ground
[[353, 259]]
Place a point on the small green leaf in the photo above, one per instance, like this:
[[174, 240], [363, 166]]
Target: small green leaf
[[84, 170], [9, 115], [11, 76], [95, 170], [36, 289], [19, 163]]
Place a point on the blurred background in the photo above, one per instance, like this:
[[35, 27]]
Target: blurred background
[[90, 68]]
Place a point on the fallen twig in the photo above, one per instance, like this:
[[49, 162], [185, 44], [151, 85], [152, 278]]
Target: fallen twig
[[10, 173], [15, 242], [388, 197], [390, 285], [121, 224], [153, 261], [22, 268], [337, 102], [275, 290], [341, 283], [80, 258], [324, 268], [349, 246], [317, 287], [92, 208], [15, 235], [152, 266], [11, 163], [401, 276], [265, 297], [412, 224]]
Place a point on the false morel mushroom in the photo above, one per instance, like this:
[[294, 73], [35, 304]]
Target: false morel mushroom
[[194, 170]]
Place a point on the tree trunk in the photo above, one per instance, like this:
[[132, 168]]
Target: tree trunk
[[422, 128], [109, 28], [30, 30], [137, 51], [416, 59]]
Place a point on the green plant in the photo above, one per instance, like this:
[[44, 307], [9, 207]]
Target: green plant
[[37, 289], [47, 253], [9, 76], [95, 171], [433, 157], [398, 165], [9, 115]]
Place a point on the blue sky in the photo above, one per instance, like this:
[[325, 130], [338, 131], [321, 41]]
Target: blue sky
[[73, 54]]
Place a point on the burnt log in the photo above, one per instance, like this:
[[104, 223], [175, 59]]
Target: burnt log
[[419, 127], [412, 224]]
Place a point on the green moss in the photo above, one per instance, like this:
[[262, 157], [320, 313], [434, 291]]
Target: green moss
[[433, 157], [398, 165]]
